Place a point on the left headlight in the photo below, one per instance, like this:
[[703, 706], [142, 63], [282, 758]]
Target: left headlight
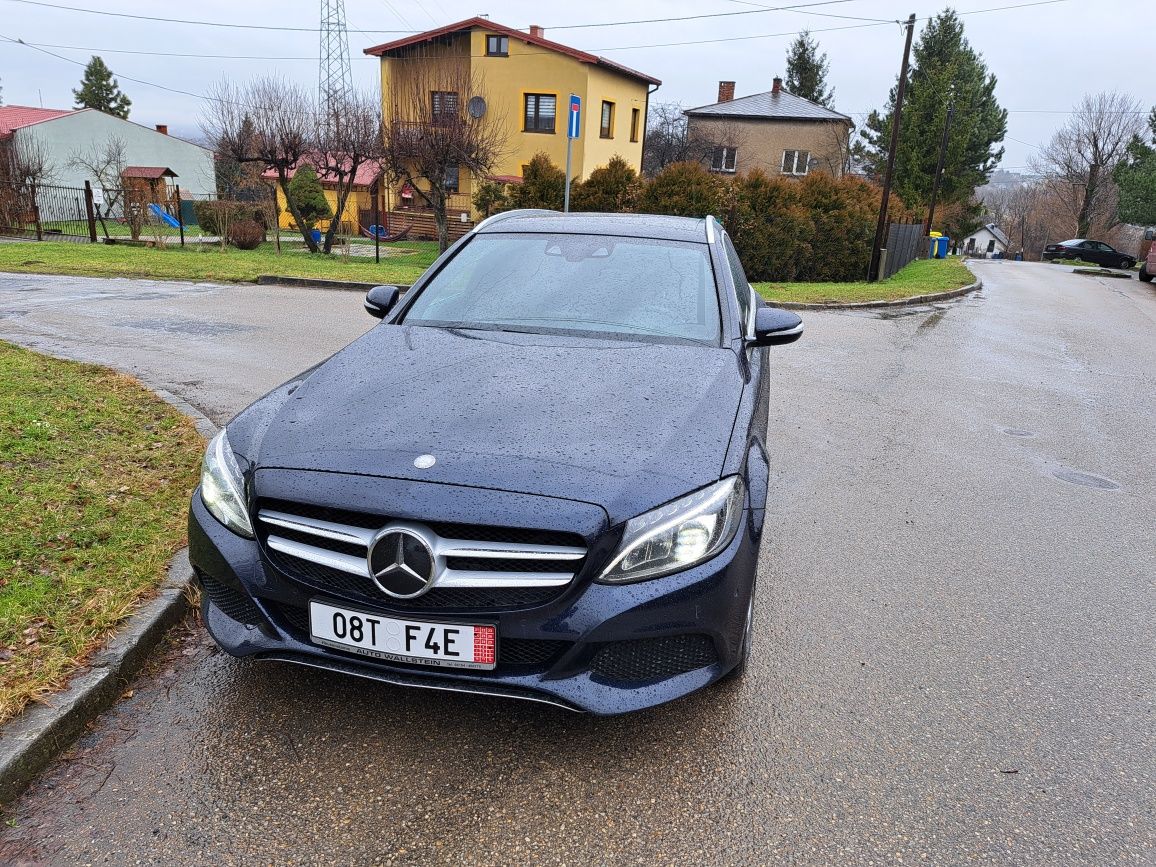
[[681, 534], [222, 487]]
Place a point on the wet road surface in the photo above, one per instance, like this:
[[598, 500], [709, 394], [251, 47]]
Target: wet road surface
[[955, 658]]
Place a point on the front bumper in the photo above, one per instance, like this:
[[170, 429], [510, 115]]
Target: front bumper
[[614, 649]]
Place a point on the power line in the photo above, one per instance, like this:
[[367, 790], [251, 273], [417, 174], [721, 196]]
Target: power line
[[796, 7], [227, 24], [810, 12]]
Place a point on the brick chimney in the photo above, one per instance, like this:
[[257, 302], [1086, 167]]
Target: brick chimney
[[163, 128], [777, 87], [726, 91], [536, 30]]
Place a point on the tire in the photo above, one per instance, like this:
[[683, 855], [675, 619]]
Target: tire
[[1144, 275], [1127, 264]]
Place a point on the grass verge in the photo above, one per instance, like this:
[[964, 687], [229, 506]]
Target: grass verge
[[95, 471], [920, 277], [402, 262]]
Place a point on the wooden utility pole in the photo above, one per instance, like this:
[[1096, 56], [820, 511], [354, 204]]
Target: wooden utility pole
[[939, 169], [897, 114]]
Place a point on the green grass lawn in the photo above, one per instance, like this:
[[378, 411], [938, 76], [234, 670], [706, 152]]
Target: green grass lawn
[[921, 277], [401, 262], [95, 474]]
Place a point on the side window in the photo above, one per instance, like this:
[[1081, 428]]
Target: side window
[[742, 287]]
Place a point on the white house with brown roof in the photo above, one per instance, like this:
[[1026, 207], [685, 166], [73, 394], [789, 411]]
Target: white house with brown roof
[[775, 131], [62, 133]]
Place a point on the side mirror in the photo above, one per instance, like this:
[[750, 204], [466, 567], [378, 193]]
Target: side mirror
[[380, 300], [775, 326]]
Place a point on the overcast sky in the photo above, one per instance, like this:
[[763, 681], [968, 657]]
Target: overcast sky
[[1045, 56]]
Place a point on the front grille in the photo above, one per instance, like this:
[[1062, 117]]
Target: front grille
[[652, 659], [465, 598], [475, 566], [234, 603], [525, 653]]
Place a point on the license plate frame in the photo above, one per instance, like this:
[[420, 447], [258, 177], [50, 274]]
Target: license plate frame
[[394, 629]]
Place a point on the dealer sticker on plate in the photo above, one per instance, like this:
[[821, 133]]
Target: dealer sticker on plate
[[443, 645]]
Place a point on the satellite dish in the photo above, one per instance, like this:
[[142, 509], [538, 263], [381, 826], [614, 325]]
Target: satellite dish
[[476, 107]]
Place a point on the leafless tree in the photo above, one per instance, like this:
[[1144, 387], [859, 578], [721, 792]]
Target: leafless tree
[[105, 162], [667, 138], [24, 162], [347, 139], [836, 158], [431, 137], [282, 130], [1077, 163]]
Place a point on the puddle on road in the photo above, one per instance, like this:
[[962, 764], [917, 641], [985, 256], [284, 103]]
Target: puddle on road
[[931, 321], [1017, 432], [192, 327], [13, 314], [1088, 480]]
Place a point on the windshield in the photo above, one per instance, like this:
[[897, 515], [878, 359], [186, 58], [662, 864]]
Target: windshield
[[584, 284]]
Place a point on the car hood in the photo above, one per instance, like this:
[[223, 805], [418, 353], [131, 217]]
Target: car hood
[[621, 424]]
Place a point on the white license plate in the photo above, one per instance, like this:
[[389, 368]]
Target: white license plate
[[443, 645]]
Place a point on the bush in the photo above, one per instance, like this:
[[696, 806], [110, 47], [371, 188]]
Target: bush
[[613, 188], [771, 230], [543, 185], [843, 213], [246, 234], [684, 190], [306, 193], [491, 198], [215, 216]]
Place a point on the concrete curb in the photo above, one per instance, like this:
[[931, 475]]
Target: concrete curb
[[311, 283], [873, 305], [34, 739]]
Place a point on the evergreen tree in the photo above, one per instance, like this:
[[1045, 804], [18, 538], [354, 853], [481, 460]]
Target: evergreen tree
[[308, 196], [807, 71], [944, 68], [1136, 178], [99, 90], [543, 185]]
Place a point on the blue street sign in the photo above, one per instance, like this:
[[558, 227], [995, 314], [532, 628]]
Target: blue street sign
[[574, 127]]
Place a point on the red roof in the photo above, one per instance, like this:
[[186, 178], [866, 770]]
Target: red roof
[[367, 173], [14, 117], [492, 27], [150, 173]]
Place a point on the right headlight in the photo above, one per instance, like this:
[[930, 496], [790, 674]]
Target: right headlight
[[681, 534], [222, 487]]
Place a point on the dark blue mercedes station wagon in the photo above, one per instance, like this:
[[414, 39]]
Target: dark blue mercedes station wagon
[[543, 475]]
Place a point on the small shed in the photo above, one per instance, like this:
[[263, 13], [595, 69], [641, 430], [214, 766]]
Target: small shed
[[149, 184]]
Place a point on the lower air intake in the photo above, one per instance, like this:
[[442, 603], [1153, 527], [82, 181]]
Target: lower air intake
[[652, 659], [233, 603]]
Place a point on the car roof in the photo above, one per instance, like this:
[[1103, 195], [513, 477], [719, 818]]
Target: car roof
[[656, 226]]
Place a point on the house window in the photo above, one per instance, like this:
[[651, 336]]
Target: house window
[[453, 174], [497, 46], [541, 109], [723, 159], [796, 162], [635, 123], [444, 105], [607, 128]]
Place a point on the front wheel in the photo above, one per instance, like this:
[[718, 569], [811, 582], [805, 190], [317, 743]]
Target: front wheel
[[1144, 275], [1127, 264]]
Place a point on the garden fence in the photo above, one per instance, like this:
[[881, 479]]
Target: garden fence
[[905, 241]]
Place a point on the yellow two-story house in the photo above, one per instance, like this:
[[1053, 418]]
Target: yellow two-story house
[[527, 82]]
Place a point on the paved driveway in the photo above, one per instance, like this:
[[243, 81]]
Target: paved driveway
[[955, 658]]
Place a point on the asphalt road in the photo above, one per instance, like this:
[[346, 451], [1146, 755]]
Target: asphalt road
[[955, 659]]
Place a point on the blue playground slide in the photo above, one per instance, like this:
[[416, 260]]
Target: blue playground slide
[[158, 212]]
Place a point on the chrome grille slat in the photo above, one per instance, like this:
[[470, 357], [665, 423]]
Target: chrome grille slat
[[463, 578], [346, 535], [332, 559], [315, 527], [507, 550]]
